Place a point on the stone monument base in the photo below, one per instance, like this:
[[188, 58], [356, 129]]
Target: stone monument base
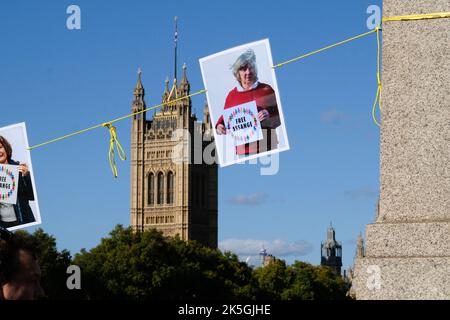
[[404, 261]]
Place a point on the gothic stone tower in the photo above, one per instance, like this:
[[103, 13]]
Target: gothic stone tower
[[331, 251], [175, 196]]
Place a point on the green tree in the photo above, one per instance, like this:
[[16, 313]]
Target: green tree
[[130, 265], [308, 282], [146, 265], [300, 281], [271, 280]]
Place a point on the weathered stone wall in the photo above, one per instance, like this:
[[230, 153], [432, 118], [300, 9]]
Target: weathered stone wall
[[415, 135], [408, 248]]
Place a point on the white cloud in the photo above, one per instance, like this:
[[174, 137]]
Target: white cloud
[[362, 192], [278, 248], [332, 117], [250, 200]]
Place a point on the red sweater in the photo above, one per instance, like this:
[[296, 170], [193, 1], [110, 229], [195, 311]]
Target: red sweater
[[265, 99]]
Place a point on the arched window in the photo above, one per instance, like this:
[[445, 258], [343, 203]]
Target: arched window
[[170, 188], [160, 188], [151, 189]]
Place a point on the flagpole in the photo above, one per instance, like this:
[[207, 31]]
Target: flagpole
[[176, 43]]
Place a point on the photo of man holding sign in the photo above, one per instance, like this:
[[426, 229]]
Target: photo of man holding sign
[[16, 185], [249, 118]]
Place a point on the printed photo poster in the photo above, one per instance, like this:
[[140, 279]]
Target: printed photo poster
[[244, 103], [19, 206]]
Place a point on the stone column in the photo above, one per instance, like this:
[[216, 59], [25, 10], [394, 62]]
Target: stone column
[[408, 246]]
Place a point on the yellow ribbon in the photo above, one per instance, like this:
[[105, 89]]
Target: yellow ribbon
[[113, 141], [378, 95], [423, 16], [437, 15]]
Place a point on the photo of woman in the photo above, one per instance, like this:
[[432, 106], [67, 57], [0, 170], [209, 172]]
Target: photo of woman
[[244, 103], [24, 211], [250, 89]]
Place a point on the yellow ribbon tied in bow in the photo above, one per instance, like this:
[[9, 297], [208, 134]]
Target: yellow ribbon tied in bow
[[114, 142]]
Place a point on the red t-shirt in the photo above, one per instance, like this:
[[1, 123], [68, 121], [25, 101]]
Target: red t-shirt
[[265, 99]]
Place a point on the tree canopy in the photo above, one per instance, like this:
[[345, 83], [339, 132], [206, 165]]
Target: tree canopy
[[147, 265]]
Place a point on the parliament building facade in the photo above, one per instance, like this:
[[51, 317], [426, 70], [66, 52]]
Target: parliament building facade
[[169, 190]]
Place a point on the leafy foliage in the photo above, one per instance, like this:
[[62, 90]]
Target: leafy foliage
[[147, 265], [300, 281], [132, 265], [308, 282]]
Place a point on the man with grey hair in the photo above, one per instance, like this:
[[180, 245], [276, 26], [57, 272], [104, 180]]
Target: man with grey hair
[[250, 89]]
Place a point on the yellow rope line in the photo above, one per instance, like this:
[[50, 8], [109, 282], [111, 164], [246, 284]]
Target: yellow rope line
[[437, 15], [378, 99], [378, 94], [324, 48], [114, 142], [114, 120]]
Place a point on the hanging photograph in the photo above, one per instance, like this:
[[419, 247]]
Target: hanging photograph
[[18, 198], [244, 103]]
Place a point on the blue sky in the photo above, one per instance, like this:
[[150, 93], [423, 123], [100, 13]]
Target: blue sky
[[59, 81]]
